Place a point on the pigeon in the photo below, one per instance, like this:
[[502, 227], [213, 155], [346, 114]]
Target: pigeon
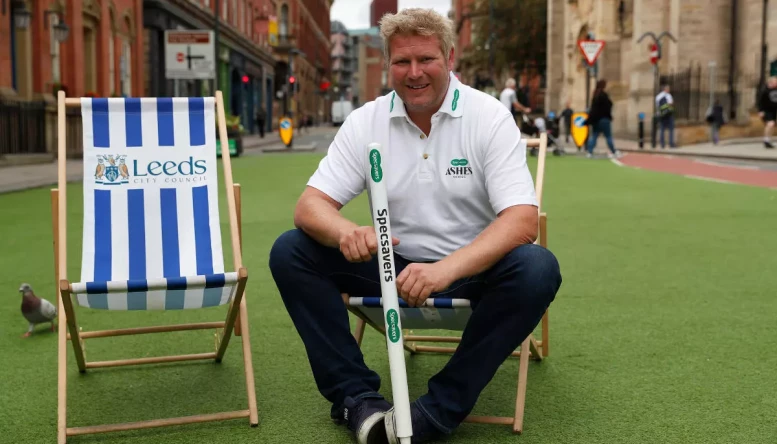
[[35, 309]]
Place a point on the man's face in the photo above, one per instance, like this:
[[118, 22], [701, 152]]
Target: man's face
[[419, 71], [772, 83]]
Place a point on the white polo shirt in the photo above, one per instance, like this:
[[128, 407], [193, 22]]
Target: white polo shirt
[[443, 190]]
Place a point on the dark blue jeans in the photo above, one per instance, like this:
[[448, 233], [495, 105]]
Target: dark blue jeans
[[667, 123], [508, 302], [604, 127]]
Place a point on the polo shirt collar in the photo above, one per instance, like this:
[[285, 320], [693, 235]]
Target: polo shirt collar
[[451, 105]]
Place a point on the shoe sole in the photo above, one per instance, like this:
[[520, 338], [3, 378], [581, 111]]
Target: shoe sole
[[373, 430]]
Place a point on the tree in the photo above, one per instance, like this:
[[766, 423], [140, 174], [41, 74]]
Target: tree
[[519, 36]]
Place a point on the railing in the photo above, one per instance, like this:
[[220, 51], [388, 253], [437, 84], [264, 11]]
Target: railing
[[693, 89], [22, 127]]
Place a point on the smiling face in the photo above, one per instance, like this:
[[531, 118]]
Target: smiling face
[[419, 72]]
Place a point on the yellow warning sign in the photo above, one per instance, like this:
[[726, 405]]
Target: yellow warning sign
[[579, 128], [286, 130]]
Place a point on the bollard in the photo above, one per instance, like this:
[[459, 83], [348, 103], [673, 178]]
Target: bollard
[[641, 130]]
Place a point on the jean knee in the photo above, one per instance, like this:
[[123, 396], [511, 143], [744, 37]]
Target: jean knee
[[539, 270], [284, 249]]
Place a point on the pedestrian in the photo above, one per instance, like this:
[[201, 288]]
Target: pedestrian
[[260, 121], [600, 120], [767, 109], [716, 120], [465, 232], [665, 109], [566, 117], [509, 98]]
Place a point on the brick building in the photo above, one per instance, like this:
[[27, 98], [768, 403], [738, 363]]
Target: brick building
[[371, 79], [379, 8], [101, 54], [245, 65], [302, 51], [725, 32]]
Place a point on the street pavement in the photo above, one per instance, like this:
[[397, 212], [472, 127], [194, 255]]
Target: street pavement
[[738, 152], [22, 177]]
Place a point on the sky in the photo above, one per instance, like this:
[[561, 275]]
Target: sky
[[355, 14]]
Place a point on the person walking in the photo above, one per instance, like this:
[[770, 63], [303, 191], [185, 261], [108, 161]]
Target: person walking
[[509, 98], [261, 116], [767, 109], [716, 120], [600, 120], [665, 106]]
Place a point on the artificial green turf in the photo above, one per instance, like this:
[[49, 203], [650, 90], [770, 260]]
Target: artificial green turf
[[664, 330]]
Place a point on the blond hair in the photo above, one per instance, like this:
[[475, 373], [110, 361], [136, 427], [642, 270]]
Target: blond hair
[[417, 21]]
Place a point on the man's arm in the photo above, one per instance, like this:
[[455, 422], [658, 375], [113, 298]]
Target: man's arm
[[513, 227], [319, 216]]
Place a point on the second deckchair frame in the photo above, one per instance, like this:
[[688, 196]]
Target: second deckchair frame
[[530, 348], [237, 313]]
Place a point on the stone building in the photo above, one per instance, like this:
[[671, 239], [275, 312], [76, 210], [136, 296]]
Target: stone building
[[726, 33]]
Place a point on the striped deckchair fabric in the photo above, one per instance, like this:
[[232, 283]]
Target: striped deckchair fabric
[[435, 313], [151, 238], [151, 232]]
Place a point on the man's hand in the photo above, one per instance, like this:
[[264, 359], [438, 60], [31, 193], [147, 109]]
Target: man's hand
[[359, 244], [417, 281], [761, 114]]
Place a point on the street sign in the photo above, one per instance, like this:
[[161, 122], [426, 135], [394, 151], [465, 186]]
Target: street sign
[[190, 54], [591, 49], [579, 129], [654, 56]]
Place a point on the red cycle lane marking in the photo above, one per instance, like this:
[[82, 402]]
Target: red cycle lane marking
[[701, 170]]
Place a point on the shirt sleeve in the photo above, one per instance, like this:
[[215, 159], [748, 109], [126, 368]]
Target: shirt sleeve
[[340, 174], [508, 179]]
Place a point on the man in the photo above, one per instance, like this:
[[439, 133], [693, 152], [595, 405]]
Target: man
[[665, 109], [463, 232], [566, 116], [767, 107], [509, 99]]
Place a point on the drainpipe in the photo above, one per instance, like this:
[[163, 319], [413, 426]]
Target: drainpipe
[[732, 60], [764, 19]]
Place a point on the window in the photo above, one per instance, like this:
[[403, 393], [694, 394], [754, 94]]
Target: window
[[284, 24]]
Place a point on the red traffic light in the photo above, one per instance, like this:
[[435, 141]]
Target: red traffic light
[[245, 79], [292, 79], [325, 86]]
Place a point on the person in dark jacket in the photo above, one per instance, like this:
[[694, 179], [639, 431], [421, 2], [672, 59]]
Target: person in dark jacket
[[716, 120], [600, 120], [767, 107]]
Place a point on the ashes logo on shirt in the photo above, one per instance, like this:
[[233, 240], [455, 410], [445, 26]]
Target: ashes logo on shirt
[[459, 169]]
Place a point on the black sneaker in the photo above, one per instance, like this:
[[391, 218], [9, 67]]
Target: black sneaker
[[768, 145], [423, 429], [365, 418]]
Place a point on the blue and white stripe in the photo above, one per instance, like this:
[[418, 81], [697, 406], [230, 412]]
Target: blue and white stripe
[[435, 313], [154, 233]]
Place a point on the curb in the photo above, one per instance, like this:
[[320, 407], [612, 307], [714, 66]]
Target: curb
[[679, 152]]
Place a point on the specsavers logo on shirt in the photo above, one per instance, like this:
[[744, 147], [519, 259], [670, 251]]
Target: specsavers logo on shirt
[[459, 168]]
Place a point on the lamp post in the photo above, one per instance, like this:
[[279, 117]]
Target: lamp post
[[21, 16], [657, 43], [59, 33]]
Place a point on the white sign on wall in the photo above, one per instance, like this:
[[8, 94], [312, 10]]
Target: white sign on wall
[[190, 54]]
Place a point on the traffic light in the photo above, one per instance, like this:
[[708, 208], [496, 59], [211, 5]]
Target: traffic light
[[293, 83], [292, 79]]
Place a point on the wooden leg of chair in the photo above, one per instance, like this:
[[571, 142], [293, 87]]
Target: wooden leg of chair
[[248, 363], [62, 377], [359, 332], [62, 332], [520, 399], [239, 212]]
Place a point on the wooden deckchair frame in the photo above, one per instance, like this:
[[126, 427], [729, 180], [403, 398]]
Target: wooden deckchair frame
[[237, 313], [530, 348]]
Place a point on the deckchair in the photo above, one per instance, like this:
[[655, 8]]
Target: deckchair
[[151, 233], [453, 314]]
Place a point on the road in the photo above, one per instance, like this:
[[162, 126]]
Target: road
[[317, 139]]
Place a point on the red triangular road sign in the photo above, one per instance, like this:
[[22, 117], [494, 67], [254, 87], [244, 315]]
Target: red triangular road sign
[[591, 49]]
